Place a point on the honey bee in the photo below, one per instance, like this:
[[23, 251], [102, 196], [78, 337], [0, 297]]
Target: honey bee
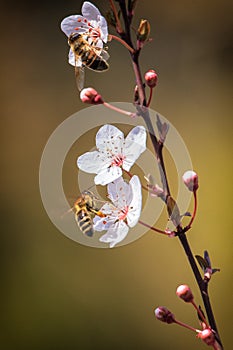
[[84, 208], [86, 54]]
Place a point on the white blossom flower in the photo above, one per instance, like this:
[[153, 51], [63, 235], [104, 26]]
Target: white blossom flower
[[122, 213], [114, 153], [91, 22]]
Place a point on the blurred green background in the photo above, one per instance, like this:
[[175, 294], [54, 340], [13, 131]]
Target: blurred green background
[[57, 294]]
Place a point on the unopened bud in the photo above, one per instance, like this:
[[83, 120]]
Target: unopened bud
[[190, 179], [151, 78], [90, 95], [164, 315], [185, 293], [207, 336], [143, 32]]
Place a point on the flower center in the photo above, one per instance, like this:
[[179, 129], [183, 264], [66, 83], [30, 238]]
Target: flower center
[[95, 33], [123, 213], [118, 160]]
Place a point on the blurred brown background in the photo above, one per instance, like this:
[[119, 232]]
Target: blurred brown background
[[57, 294]]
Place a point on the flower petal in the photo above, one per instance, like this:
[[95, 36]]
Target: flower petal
[[101, 224], [135, 144], [107, 175], [120, 193], [69, 24], [136, 203], [109, 137], [90, 12], [104, 29], [115, 234], [111, 212], [93, 162]]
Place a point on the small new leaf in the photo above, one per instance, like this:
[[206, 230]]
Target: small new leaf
[[202, 262], [199, 316], [173, 211], [187, 213], [162, 129], [207, 258], [111, 19]]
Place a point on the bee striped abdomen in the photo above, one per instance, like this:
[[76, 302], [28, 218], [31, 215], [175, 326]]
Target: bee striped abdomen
[[84, 222], [96, 63]]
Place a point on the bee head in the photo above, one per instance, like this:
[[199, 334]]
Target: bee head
[[73, 37]]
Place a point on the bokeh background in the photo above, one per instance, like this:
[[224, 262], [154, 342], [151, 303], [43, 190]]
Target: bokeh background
[[56, 293]]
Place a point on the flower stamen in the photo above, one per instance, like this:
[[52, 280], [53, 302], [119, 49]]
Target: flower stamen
[[123, 213], [118, 160]]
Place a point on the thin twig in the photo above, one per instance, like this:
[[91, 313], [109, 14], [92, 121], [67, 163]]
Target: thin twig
[[119, 110], [186, 326], [118, 23], [194, 211], [153, 228], [200, 313], [150, 97], [111, 36]]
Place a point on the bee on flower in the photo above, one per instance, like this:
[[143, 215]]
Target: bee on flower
[[86, 34], [114, 153], [91, 21], [122, 212]]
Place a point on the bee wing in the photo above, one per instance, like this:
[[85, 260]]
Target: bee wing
[[102, 53], [79, 76], [105, 55], [79, 70], [71, 58]]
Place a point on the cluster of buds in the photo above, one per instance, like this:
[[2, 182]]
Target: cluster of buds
[[164, 315]]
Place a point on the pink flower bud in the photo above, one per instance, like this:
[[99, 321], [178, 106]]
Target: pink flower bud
[[151, 78], [164, 315], [207, 336], [190, 179], [185, 293], [90, 95]]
